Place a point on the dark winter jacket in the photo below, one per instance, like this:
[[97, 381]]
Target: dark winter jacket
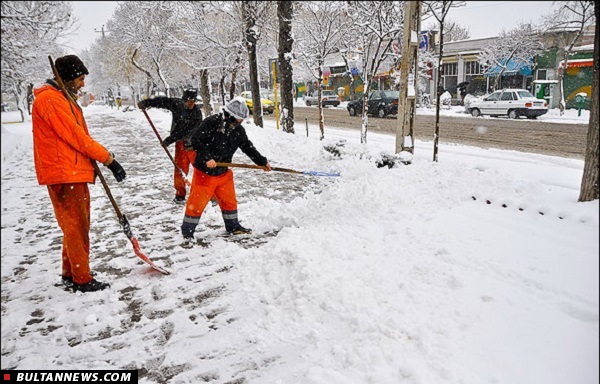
[[184, 122], [216, 140]]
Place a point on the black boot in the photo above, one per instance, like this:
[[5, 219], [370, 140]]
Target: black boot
[[91, 286], [67, 281], [188, 242], [239, 230]]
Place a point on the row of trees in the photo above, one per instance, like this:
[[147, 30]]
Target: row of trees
[[30, 31], [171, 45]]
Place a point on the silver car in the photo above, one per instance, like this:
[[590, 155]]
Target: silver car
[[513, 103], [327, 98]]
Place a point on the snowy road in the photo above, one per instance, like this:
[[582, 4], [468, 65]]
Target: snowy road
[[544, 135]]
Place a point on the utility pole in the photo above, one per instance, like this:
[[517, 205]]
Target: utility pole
[[96, 30], [408, 81]]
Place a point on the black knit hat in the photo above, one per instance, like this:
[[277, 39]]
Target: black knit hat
[[70, 67], [190, 94]]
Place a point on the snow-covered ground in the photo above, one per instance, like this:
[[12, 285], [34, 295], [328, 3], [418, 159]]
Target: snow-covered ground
[[480, 268]]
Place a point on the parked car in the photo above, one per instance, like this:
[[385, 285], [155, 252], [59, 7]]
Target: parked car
[[327, 98], [381, 103], [270, 95], [510, 102], [97, 102], [267, 105]]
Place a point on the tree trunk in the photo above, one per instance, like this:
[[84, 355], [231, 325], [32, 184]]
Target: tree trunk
[[234, 75], [561, 77], [232, 85], [319, 100], [249, 11], [285, 10], [222, 88], [205, 92], [365, 116], [148, 75], [438, 88], [162, 78], [589, 181], [29, 98], [17, 95]]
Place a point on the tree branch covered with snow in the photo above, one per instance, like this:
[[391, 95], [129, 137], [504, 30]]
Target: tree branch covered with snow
[[379, 23], [518, 45], [30, 31]]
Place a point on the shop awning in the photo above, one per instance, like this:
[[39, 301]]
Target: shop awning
[[577, 63], [382, 74], [512, 68], [353, 71]]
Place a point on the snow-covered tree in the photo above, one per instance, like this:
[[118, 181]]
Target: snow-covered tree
[[453, 31], [590, 189], [321, 27], [211, 43], [379, 24], [254, 15], [285, 14], [144, 27], [570, 16], [516, 46], [439, 10], [30, 32]]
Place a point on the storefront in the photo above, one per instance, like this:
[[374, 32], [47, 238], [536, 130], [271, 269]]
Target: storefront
[[514, 74], [578, 79]]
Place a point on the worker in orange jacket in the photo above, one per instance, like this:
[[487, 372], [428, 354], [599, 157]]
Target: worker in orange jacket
[[63, 152]]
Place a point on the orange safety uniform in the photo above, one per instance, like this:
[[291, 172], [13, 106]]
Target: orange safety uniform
[[218, 140], [183, 158], [62, 149]]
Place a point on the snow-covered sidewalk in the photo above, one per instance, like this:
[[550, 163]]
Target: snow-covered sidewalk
[[403, 275]]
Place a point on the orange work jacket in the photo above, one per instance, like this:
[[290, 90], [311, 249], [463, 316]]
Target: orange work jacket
[[62, 145]]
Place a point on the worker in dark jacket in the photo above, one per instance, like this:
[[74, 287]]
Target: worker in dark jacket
[[187, 116], [216, 140]]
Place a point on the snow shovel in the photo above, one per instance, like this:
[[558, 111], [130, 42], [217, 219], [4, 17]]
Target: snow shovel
[[122, 218], [312, 173]]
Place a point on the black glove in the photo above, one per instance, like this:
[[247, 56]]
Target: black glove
[[117, 170], [168, 141]]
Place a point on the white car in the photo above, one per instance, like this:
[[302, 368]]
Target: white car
[[509, 102], [327, 98]]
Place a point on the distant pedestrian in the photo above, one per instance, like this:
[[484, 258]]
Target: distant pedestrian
[[29, 97], [111, 99], [462, 88], [63, 152]]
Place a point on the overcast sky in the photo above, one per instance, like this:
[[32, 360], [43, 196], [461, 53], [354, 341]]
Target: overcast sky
[[483, 18]]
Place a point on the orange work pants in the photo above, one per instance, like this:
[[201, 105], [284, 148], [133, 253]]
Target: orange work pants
[[71, 204], [203, 188], [183, 159]]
